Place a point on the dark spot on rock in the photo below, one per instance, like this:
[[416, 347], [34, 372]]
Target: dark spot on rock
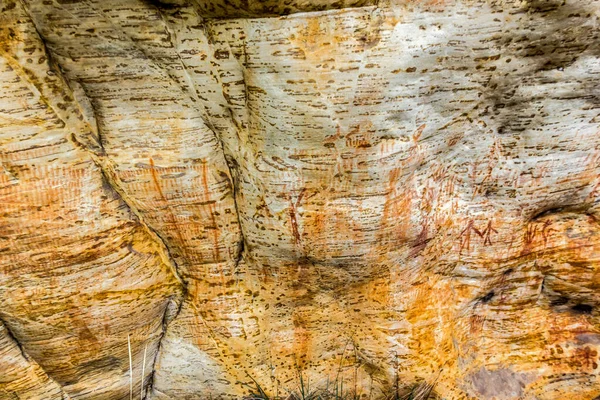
[[582, 309], [165, 5], [488, 297], [221, 54], [9, 6], [559, 301]]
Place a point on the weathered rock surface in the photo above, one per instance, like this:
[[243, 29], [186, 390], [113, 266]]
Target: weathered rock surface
[[400, 197]]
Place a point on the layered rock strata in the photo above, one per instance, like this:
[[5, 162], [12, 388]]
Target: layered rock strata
[[381, 198]]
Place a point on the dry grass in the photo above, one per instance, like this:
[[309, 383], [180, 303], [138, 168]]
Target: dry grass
[[332, 391], [131, 370]]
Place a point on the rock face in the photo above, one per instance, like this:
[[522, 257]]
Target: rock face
[[378, 198]]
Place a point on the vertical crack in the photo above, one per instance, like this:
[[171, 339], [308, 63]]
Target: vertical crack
[[172, 310]]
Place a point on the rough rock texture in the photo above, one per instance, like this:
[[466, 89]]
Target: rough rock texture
[[381, 197]]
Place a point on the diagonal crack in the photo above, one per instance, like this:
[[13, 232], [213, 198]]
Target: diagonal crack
[[13, 338], [109, 176], [100, 159], [229, 161]]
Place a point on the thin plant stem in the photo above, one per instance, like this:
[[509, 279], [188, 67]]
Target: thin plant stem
[[130, 369], [143, 372]]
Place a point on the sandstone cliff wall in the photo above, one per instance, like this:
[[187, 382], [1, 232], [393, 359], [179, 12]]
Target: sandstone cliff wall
[[396, 197]]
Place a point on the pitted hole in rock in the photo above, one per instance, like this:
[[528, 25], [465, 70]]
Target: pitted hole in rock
[[563, 304], [489, 296], [582, 309]]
